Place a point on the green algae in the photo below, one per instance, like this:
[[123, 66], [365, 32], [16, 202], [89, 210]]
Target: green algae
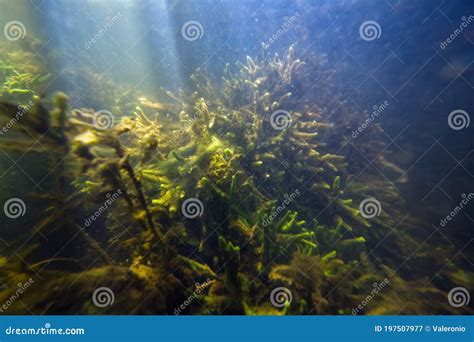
[[221, 148]]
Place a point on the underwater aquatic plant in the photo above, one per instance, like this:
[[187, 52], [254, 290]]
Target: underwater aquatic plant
[[246, 142], [22, 75]]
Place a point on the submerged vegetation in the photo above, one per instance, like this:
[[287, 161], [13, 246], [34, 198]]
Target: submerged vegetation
[[21, 73], [211, 186]]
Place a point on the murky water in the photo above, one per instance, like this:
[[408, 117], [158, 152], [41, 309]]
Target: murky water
[[220, 157]]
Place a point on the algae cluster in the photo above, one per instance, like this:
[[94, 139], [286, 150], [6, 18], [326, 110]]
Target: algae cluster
[[22, 73], [272, 207]]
